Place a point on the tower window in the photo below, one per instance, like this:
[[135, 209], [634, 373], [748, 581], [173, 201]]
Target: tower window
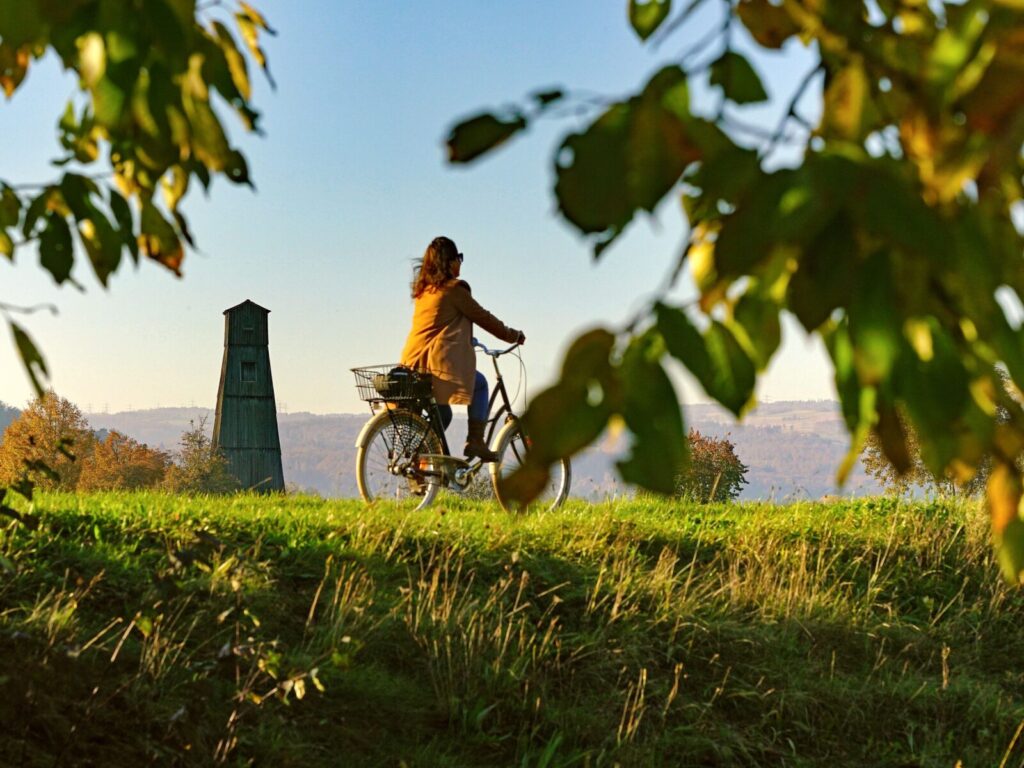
[[248, 371]]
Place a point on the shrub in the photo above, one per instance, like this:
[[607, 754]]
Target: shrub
[[199, 467], [120, 463], [715, 472]]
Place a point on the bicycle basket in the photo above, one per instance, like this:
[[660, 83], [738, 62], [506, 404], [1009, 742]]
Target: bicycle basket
[[391, 383]]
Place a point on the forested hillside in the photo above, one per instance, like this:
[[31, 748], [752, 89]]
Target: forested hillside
[[792, 449]]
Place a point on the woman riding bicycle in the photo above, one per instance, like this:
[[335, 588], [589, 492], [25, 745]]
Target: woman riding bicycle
[[441, 339]]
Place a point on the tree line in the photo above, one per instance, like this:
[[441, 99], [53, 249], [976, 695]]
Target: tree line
[[51, 446]]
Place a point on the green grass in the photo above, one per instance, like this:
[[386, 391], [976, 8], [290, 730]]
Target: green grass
[[159, 630]]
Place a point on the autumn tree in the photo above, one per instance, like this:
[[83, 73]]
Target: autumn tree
[[199, 466], [118, 462], [882, 218], [142, 129], [714, 472], [44, 443]]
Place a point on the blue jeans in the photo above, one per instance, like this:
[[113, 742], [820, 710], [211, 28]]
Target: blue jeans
[[477, 406]]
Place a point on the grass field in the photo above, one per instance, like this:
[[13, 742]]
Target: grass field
[[159, 630]]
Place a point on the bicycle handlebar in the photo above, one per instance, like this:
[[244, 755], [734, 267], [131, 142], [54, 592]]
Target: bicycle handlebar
[[492, 352]]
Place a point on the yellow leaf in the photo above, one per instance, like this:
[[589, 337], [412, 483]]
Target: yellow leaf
[[92, 58]]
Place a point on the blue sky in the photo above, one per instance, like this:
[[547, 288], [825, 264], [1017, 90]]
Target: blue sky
[[352, 184]]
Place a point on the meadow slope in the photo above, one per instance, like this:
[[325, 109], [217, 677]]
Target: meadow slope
[[147, 629]]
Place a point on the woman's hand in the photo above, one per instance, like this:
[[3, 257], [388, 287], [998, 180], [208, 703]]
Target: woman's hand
[[521, 339]]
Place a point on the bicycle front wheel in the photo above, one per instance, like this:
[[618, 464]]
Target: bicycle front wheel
[[511, 445], [388, 464]]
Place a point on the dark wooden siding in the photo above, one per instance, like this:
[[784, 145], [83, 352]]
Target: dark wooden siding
[[245, 426]]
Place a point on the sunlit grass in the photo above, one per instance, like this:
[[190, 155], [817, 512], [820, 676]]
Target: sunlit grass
[[142, 628]]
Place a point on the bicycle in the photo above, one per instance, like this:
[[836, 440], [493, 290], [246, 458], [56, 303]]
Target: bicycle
[[403, 455]]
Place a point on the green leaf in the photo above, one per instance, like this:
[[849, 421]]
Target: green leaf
[[738, 80], [715, 357], [569, 415], [650, 408], [480, 134], [21, 23], [875, 324], [10, 207], [771, 25], [825, 273], [56, 254], [629, 158], [235, 61], [849, 110], [1003, 492], [125, 225], [158, 240], [893, 438], [35, 365], [647, 15], [6, 245], [208, 139], [758, 321]]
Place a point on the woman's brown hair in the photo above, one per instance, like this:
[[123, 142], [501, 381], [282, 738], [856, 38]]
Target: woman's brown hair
[[435, 268]]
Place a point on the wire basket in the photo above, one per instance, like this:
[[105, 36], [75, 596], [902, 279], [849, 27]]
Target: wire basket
[[392, 384]]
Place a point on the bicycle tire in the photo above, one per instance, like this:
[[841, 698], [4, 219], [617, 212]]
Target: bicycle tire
[[511, 445], [387, 432]]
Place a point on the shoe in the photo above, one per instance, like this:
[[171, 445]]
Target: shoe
[[476, 448]]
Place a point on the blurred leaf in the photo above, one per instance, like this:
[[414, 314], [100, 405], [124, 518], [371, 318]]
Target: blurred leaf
[[738, 80], [629, 158], [10, 207], [569, 415], [56, 254], [21, 22], [6, 245], [35, 210], [13, 64], [548, 96], [647, 15], [234, 59], [1004, 500], [249, 22], [35, 365], [758, 318], [955, 45], [158, 240], [825, 274], [771, 25], [126, 228], [478, 135], [893, 438], [715, 357], [875, 324], [651, 411], [208, 139], [849, 111]]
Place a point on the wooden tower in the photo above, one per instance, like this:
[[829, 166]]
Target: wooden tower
[[245, 427]]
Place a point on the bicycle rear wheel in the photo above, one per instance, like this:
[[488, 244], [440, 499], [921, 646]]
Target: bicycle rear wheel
[[511, 445], [388, 464]]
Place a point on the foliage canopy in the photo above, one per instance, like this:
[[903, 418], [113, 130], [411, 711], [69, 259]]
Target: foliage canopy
[[152, 77], [714, 473], [890, 237]]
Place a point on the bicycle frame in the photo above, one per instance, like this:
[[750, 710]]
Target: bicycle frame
[[493, 417]]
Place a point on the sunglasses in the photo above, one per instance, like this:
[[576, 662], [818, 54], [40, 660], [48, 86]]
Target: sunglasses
[[460, 258]]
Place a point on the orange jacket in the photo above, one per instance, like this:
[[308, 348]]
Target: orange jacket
[[441, 339]]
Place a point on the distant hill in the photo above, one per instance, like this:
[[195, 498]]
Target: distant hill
[[8, 413], [792, 449]]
